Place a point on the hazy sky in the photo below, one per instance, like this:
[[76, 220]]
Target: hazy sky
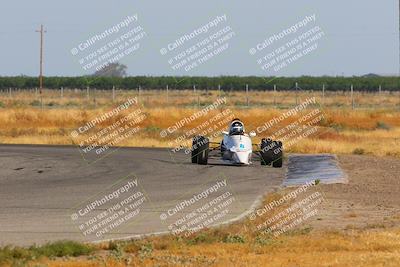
[[359, 36]]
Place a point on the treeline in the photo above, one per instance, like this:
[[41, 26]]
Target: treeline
[[226, 83]]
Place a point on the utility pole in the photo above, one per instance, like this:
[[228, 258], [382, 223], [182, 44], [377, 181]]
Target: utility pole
[[41, 31], [352, 96], [167, 94], [113, 93], [247, 95]]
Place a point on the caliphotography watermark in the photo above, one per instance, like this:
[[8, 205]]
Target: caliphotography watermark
[[294, 125], [211, 128], [282, 49], [207, 123], [197, 47], [288, 211], [110, 45], [102, 134], [108, 211], [205, 208], [202, 138], [193, 117]]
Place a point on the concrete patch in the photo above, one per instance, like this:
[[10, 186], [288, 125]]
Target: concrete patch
[[307, 168]]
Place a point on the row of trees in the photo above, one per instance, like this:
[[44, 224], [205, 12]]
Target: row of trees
[[226, 82]]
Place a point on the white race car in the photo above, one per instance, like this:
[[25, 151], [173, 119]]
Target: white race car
[[236, 148]]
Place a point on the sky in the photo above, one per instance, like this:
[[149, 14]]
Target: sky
[[347, 37]]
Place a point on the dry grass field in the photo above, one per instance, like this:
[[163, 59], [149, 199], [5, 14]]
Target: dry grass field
[[367, 249], [372, 127]]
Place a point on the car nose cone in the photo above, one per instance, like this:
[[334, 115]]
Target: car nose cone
[[242, 157]]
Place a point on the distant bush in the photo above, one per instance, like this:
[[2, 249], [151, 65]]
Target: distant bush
[[200, 238], [382, 125], [146, 249], [359, 151], [234, 239], [71, 104], [52, 104], [35, 103]]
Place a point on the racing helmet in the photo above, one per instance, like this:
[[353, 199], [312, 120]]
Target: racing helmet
[[236, 128]]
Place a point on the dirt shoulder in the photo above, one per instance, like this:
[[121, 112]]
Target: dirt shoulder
[[371, 199]]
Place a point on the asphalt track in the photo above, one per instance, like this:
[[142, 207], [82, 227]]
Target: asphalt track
[[41, 186]]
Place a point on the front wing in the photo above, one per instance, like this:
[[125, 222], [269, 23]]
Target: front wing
[[215, 151]]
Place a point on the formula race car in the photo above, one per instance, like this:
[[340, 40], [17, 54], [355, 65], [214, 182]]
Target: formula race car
[[236, 148]]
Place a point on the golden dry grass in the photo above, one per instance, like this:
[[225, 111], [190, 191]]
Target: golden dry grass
[[369, 249], [343, 130], [73, 98]]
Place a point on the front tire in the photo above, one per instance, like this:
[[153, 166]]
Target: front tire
[[202, 156], [200, 148], [271, 153]]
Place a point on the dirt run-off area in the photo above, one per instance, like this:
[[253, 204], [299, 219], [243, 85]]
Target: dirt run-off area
[[371, 199]]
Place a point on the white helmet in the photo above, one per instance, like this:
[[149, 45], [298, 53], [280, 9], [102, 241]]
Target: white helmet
[[237, 127]]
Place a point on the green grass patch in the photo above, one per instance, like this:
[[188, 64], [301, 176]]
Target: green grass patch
[[382, 126], [234, 239], [10, 254], [35, 103]]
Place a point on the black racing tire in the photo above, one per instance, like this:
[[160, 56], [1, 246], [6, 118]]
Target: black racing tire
[[195, 149], [266, 151], [222, 147], [202, 155], [278, 155]]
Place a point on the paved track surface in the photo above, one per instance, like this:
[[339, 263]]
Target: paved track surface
[[41, 186]]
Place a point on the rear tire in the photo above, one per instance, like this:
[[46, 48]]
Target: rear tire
[[278, 157], [266, 151]]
